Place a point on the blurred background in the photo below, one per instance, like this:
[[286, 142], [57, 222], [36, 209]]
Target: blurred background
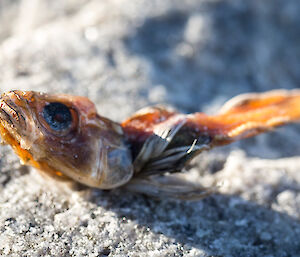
[[192, 55], [189, 54]]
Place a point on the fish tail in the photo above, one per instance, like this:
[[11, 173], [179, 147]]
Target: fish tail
[[248, 115]]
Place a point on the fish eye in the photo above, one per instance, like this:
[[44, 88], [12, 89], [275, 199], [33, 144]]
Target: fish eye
[[58, 116]]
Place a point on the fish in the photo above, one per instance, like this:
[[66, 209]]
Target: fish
[[64, 137]]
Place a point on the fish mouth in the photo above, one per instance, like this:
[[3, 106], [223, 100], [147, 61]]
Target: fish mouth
[[13, 123], [16, 126], [11, 115]]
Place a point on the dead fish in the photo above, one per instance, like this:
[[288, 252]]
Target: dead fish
[[63, 136]]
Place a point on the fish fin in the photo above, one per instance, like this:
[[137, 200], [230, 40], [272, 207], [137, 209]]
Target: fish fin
[[250, 101], [250, 114], [170, 187], [140, 126], [159, 155]]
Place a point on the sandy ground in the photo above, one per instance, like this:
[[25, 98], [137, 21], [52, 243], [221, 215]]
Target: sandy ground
[[124, 55]]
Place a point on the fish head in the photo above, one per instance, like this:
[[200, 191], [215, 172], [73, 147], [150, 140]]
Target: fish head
[[63, 135]]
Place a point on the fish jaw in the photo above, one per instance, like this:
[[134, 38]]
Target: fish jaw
[[17, 128]]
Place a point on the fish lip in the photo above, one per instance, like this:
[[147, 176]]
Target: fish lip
[[10, 113], [4, 116]]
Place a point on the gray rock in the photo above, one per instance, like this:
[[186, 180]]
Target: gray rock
[[124, 55]]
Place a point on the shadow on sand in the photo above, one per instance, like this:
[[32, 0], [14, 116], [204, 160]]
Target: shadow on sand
[[222, 225]]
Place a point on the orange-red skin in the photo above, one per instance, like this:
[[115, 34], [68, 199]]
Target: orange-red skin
[[246, 118]]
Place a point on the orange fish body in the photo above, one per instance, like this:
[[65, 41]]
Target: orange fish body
[[64, 136]]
